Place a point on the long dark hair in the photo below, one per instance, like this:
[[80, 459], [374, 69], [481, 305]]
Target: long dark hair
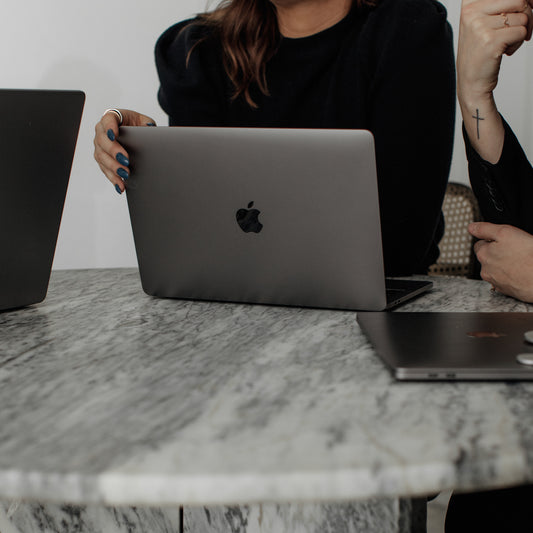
[[248, 31]]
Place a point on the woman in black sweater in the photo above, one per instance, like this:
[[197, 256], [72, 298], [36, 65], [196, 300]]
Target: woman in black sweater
[[382, 65]]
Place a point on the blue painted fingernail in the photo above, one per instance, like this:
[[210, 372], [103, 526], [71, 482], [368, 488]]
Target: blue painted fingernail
[[122, 173], [151, 124], [117, 188], [110, 134], [123, 160]]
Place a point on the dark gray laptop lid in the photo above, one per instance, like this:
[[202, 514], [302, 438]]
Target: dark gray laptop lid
[[315, 192], [451, 346], [38, 132]]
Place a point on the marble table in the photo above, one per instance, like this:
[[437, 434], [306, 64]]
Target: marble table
[[122, 412]]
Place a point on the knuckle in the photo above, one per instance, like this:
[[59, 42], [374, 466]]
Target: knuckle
[[518, 34], [481, 254], [109, 175], [480, 33], [522, 32], [523, 19], [477, 25], [485, 276], [468, 13], [486, 39], [504, 231]]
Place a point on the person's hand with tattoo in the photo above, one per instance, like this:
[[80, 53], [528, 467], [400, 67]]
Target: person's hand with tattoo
[[506, 257], [488, 30]]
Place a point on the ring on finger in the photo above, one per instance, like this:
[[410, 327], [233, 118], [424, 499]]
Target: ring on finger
[[505, 19], [118, 113]]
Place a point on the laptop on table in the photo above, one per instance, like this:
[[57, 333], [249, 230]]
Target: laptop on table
[[38, 133], [268, 216], [453, 346]]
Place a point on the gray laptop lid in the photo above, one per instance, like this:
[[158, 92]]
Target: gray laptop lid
[[38, 132], [451, 346], [274, 216]]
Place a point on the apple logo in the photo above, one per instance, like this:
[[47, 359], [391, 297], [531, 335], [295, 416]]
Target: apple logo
[[247, 219]]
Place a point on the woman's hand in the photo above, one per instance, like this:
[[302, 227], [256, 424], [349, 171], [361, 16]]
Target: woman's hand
[[488, 30], [109, 154], [506, 257]]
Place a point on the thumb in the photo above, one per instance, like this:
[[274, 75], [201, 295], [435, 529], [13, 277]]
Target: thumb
[[132, 118], [483, 230]]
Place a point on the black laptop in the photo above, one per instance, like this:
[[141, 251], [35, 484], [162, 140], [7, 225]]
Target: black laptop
[[38, 133]]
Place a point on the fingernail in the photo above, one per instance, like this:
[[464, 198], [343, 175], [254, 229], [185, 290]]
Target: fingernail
[[122, 173], [110, 134], [123, 160], [151, 124], [118, 189]]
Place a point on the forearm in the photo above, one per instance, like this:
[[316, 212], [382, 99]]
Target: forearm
[[488, 30], [483, 124], [504, 190]]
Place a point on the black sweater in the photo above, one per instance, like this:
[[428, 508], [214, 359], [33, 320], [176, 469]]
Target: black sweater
[[504, 190], [389, 69]]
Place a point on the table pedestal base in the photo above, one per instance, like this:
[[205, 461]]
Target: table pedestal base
[[372, 516], [379, 516]]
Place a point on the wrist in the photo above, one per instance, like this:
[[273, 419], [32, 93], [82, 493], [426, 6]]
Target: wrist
[[470, 100]]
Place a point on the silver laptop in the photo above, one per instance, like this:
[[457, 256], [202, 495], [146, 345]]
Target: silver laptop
[[269, 216], [38, 132], [452, 346]]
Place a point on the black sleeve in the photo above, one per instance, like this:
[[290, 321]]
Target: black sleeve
[[504, 190], [413, 117], [192, 84]]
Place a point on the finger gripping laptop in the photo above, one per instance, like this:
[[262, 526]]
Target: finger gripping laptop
[[269, 216]]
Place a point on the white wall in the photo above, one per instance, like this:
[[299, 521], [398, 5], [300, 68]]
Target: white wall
[[513, 94], [105, 47]]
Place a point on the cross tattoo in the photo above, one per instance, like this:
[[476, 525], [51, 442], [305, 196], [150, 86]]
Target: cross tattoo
[[478, 118]]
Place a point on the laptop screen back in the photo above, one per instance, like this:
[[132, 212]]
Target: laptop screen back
[[38, 132], [275, 216]]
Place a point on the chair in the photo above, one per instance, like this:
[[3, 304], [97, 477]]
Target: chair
[[457, 256]]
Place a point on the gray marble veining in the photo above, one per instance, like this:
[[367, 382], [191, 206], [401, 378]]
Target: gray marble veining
[[373, 516], [38, 517], [111, 396]]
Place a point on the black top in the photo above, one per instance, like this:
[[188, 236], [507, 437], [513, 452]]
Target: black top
[[504, 190], [389, 69]]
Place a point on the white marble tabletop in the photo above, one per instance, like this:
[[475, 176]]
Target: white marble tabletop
[[111, 396]]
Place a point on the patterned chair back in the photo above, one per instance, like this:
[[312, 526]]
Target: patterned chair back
[[457, 256]]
